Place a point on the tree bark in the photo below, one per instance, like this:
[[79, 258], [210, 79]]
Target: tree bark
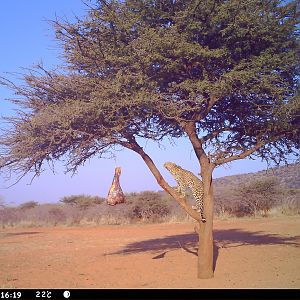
[[160, 180], [205, 231]]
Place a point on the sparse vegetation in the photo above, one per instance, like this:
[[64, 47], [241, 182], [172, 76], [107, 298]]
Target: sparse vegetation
[[274, 192], [1, 202], [147, 206], [28, 205], [259, 196], [219, 73], [248, 195], [82, 201]]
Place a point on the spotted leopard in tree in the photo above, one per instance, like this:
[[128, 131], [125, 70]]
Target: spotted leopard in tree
[[186, 179]]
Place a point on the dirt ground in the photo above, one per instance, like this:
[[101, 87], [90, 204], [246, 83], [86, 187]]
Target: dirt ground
[[249, 253]]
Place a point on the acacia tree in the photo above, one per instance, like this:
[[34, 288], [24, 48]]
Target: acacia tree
[[221, 73], [260, 195]]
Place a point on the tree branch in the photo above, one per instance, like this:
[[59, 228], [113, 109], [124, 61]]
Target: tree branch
[[210, 103], [190, 130], [213, 134], [245, 153], [133, 145]]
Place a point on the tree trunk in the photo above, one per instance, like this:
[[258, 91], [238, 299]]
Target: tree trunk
[[205, 231]]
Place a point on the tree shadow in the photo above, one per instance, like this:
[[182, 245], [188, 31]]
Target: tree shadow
[[226, 238], [3, 235], [237, 237]]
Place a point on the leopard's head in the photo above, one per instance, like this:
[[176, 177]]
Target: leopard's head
[[169, 165]]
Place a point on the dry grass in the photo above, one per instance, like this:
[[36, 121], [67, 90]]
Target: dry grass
[[158, 207]]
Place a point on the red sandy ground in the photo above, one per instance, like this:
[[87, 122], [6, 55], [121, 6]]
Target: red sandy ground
[[252, 253]]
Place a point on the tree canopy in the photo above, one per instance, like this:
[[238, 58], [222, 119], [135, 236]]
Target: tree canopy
[[223, 73]]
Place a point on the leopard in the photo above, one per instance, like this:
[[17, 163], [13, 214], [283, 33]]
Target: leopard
[[186, 179]]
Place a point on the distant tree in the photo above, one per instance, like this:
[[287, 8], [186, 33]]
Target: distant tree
[[82, 201], [147, 205], [28, 205], [260, 195], [222, 73], [2, 203]]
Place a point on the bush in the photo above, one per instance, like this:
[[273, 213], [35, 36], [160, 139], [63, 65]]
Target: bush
[[28, 205], [82, 201], [148, 206], [2, 204], [9, 216], [289, 204], [258, 196], [56, 215], [225, 201]]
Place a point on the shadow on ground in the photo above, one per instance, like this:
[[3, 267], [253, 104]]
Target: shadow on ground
[[18, 233], [222, 239]]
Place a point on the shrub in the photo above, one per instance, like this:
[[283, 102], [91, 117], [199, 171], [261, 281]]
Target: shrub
[[28, 205], [82, 201], [225, 201], [148, 206], [259, 196], [289, 204], [2, 204], [56, 215]]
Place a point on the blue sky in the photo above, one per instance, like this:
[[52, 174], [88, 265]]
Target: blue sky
[[26, 39]]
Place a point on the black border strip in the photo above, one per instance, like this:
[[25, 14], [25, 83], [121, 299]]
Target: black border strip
[[157, 294]]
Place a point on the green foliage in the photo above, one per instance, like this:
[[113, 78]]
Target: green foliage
[[140, 68], [82, 201]]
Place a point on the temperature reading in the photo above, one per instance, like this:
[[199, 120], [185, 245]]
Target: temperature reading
[[43, 294]]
